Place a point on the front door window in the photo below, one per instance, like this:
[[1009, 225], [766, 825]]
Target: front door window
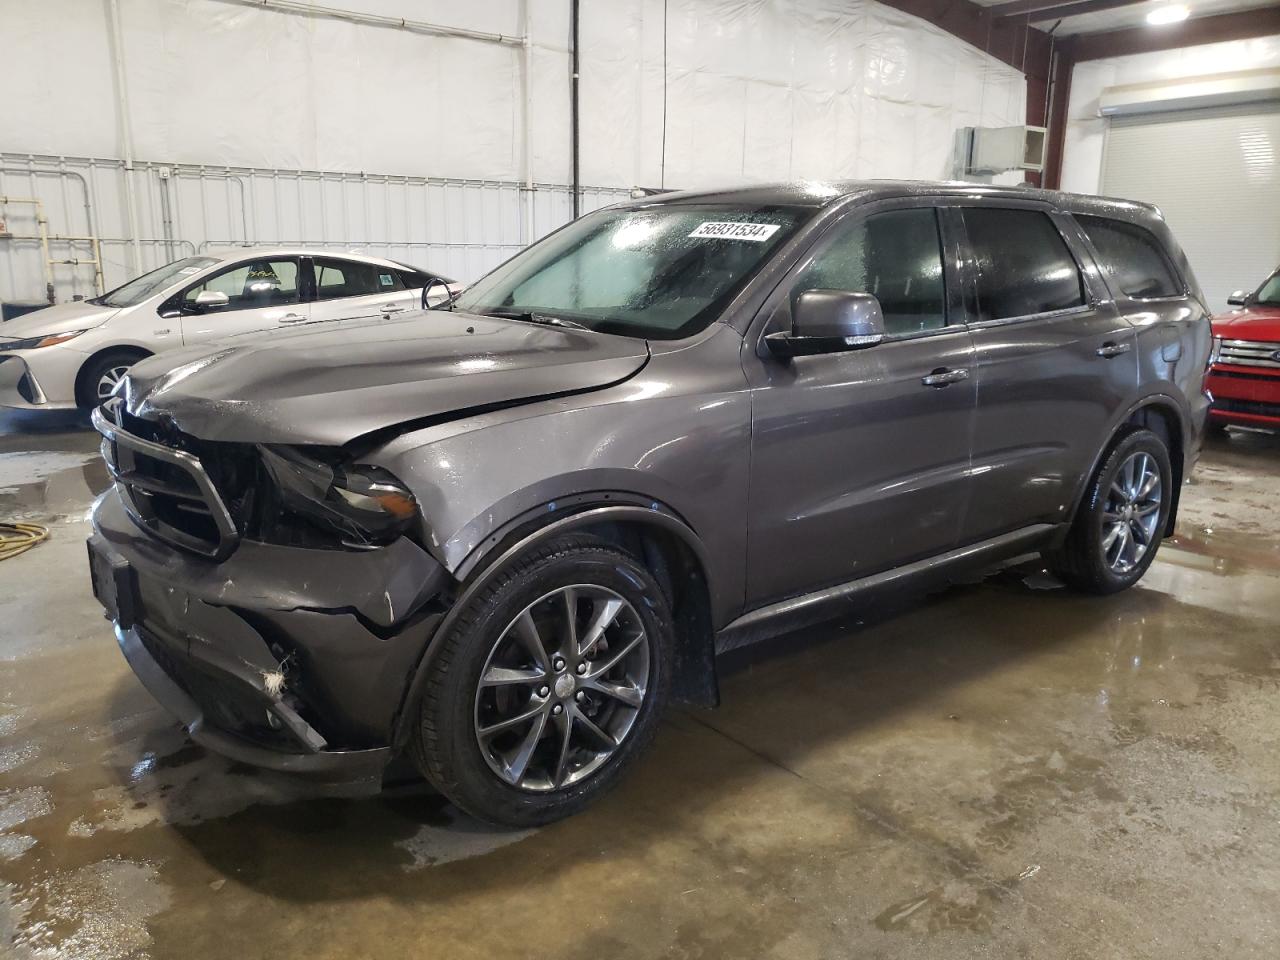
[[253, 285], [897, 257]]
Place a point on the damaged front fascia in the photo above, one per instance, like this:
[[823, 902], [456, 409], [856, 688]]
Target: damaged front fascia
[[382, 587]]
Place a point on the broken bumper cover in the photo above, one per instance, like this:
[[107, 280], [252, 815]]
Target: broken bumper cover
[[295, 660], [346, 765]]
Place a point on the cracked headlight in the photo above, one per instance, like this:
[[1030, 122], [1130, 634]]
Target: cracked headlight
[[363, 504], [49, 340]]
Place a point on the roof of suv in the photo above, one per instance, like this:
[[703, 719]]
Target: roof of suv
[[819, 193]]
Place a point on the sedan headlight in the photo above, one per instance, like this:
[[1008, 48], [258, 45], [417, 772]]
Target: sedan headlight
[[365, 505], [48, 340]]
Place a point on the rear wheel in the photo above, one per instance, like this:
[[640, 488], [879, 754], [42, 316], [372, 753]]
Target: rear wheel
[[1120, 525], [548, 685]]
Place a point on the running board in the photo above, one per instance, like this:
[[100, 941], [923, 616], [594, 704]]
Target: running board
[[795, 613]]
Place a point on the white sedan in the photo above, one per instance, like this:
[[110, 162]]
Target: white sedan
[[74, 354]]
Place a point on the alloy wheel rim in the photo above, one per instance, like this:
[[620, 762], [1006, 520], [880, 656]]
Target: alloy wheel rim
[[562, 687], [1131, 514], [108, 382]]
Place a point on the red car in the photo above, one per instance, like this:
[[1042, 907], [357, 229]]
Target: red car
[[1245, 377]]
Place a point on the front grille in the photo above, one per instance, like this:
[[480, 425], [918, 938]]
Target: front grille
[[167, 490], [1228, 405], [1250, 353]]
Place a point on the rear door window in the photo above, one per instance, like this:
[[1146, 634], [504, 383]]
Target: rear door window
[[1024, 267], [351, 278], [1132, 258]]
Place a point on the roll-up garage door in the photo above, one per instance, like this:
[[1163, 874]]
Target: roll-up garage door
[[1213, 172]]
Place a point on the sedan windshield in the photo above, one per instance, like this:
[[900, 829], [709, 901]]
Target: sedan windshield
[[158, 280], [1268, 294], [661, 272]]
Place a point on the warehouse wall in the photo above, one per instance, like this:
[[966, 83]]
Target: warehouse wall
[[1086, 130], [252, 125]]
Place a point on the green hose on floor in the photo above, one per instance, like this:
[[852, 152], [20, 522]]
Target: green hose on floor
[[16, 538]]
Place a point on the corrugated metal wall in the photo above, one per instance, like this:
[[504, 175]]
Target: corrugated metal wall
[[460, 228]]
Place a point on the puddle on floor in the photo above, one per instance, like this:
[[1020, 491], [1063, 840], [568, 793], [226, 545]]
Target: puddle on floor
[[96, 912], [1224, 550], [959, 905], [50, 485]]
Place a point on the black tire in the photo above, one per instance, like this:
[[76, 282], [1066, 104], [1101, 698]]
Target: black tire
[[446, 741], [92, 373], [1082, 561]]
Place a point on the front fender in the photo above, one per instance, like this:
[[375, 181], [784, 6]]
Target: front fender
[[677, 435]]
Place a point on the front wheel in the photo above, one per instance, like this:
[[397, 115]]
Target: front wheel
[[101, 376], [548, 685], [1121, 522]]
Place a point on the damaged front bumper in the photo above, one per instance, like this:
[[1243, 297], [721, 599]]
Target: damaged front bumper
[[292, 659]]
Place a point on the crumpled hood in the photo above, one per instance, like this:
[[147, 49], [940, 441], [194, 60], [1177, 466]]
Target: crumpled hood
[[60, 318], [332, 385]]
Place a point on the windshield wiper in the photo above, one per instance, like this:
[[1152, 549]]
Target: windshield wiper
[[533, 316]]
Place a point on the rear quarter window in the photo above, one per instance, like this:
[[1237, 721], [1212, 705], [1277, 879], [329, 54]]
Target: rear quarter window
[[414, 279], [1132, 258]]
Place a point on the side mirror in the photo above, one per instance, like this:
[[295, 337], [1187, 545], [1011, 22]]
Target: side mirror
[[829, 321], [208, 300], [436, 294], [1238, 299]]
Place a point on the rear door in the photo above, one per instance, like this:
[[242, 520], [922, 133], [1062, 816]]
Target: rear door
[[860, 459], [347, 289], [1055, 362], [262, 294]]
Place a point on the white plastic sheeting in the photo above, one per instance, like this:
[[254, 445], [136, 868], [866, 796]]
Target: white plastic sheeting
[[735, 89], [766, 89]]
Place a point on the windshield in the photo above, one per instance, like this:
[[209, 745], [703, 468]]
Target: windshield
[[149, 284], [662, 273], [1268, 294]]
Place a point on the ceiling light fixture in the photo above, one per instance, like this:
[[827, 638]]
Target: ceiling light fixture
[[1173, 13]]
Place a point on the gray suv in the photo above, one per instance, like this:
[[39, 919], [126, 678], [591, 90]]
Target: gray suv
[[501, 534]]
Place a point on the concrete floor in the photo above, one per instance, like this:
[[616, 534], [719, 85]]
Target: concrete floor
[[1003, 770]]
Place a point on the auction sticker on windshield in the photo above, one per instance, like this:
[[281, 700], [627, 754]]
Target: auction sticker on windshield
[[727, 230]]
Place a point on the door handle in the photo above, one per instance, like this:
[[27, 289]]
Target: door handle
[[943, 377], [1112, 349], [393, 308], [292, 318]]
